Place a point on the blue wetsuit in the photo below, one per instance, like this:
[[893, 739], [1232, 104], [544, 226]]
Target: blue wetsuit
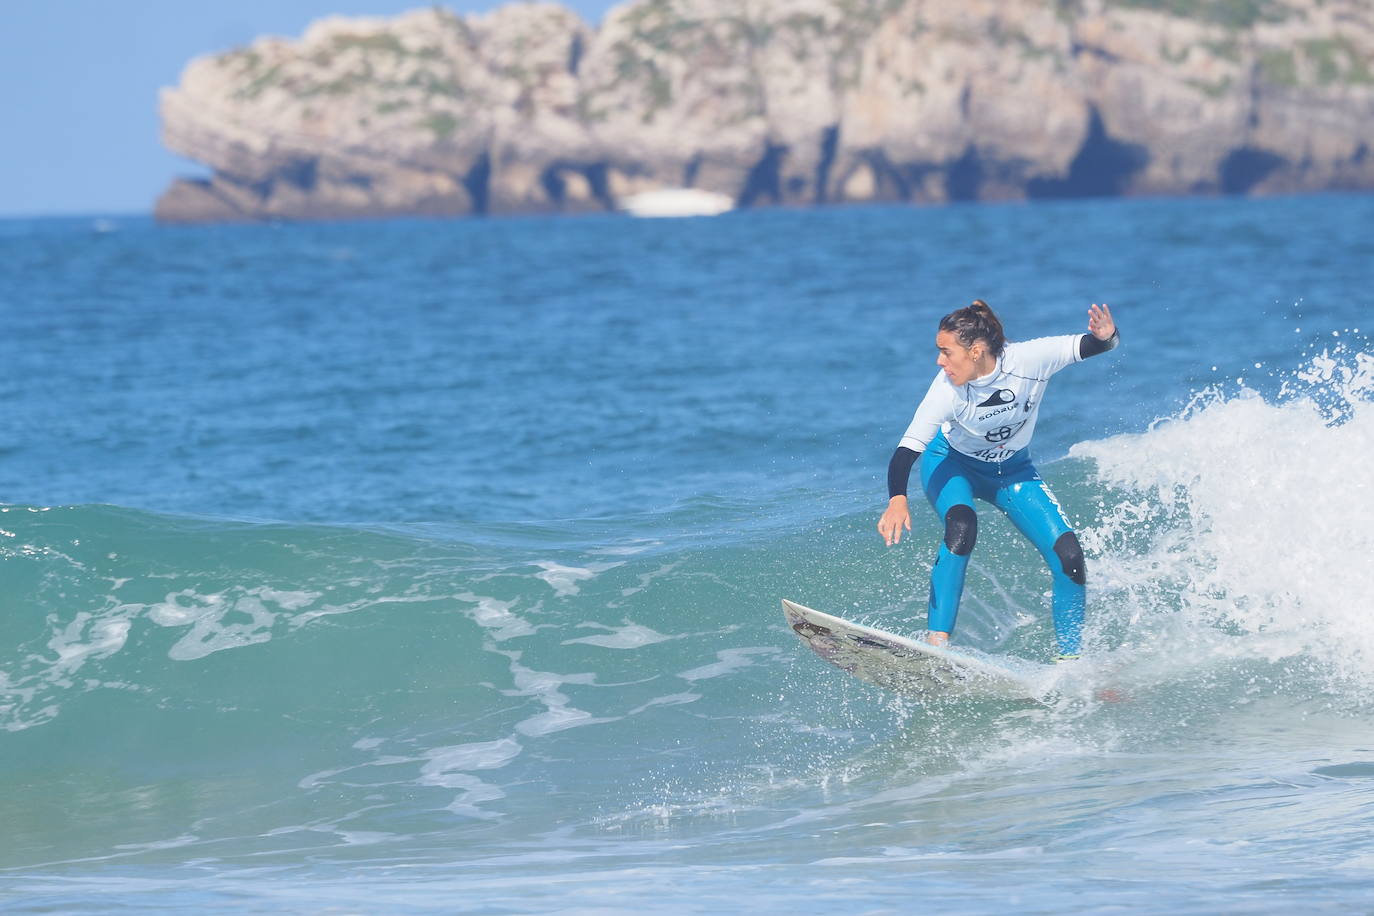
[[951, 480], [973, 441]]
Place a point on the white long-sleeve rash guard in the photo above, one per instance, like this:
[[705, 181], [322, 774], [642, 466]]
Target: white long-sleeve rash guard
[[992, 417]]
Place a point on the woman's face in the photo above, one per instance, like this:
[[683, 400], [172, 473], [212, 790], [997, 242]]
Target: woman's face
[[961, 363]]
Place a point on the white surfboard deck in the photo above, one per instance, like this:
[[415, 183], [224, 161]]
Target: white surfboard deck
[[913, 668]]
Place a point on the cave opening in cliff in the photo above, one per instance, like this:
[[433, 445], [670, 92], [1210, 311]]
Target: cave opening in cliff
[[1102, 167], [964, 176], [554, 186], [690, 170], [477, 181], [577, 186], [576, 50], [765, 178], [892, 181], [1246, 167], [598, 176], [302, 173], [830, 145]]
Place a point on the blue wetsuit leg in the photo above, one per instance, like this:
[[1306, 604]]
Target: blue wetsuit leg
[[1036, 514], [947, 484]]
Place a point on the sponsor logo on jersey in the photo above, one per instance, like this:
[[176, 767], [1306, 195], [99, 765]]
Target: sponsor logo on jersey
[[1003, 433], [999, 397], [993, 413]]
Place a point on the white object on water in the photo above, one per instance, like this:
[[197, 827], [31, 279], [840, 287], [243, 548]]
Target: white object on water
[[913, 668], [677, 202]]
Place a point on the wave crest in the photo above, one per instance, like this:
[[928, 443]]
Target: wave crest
[[1250, 515]]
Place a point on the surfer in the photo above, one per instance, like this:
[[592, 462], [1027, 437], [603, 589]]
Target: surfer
[[972, 433]]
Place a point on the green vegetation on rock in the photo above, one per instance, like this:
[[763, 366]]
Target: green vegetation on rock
[[260, 83], [1227, 50], [1233, 14], [1279, 67], [441, 123], [1337, 61], [657, 24], [433, 84], [1217, 90], [380, 41], [1174, 55]]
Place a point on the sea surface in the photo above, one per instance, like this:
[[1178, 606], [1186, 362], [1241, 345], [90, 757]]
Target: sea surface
[[435, 566]]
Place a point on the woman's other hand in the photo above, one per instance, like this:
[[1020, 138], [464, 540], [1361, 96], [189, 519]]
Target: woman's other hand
[[1100, 323], [895, 518]]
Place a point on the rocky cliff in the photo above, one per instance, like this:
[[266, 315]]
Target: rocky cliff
[[528, 108]]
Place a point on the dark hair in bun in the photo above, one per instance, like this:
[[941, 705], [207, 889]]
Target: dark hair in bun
[[973, 323]]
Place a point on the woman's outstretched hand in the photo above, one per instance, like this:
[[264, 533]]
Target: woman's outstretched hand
[[895, 518], [1100, 323]]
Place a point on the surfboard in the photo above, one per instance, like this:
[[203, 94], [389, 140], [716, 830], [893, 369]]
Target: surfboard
[[913, 668]]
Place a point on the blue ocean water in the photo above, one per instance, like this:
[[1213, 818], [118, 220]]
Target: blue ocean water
[[435, 566]]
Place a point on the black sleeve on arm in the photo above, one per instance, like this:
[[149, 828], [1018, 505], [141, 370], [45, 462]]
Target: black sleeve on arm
[[899, 470], [1091, 346]]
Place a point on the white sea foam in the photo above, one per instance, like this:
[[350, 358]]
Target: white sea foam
[[496, 616], [728, 661], [544, 686], [646, 578], [449, 768], [480, 755], [215, 619], [322, 777], [565, 580], [672, 699], [361, 837], [626, 550], [475, 793], [1251, 515], [556, 719], [630, 636], [88, 636]]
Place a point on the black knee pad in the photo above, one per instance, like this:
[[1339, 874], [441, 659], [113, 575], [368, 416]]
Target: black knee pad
[[961, 530], [1070, 555]]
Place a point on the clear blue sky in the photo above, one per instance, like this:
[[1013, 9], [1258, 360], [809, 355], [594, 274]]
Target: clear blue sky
[[79, 81]]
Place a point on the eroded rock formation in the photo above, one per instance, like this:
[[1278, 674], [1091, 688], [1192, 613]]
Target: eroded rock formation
[[528, 108]]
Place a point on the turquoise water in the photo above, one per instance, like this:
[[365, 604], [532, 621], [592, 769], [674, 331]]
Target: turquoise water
[[435, 566]]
